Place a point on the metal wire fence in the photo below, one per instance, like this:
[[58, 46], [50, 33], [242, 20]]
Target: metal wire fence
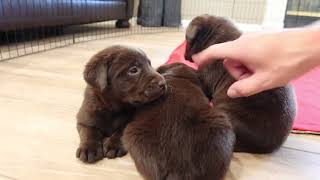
[[31, 26], [302, 12]]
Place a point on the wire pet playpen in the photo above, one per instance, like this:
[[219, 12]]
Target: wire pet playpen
[[31, 26]]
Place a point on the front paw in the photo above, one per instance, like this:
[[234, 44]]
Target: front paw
[[90, 153], [113, 148]]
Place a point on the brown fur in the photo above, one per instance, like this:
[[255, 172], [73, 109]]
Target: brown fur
[[261, 122], [119, 79], [179, 136]]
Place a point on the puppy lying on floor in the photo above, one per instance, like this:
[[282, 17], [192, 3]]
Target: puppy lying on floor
[[118, 79], [179, 136], [261, 122]]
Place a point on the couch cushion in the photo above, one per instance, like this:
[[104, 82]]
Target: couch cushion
[[98, 10], [35, 8], [18, 14], [110, 0]]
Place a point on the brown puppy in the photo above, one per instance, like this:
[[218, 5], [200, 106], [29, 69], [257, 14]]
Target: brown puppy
[[119, 79], [261, 122], [179, 136]]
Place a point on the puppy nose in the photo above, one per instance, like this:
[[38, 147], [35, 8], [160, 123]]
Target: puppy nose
[[157, 81], [156, 87], [162, 84]]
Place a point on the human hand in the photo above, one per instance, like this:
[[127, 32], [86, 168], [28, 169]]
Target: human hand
[[263, 61]]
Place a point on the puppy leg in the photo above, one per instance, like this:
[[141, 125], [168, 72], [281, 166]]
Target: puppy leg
[[90, 148], [113, 147]]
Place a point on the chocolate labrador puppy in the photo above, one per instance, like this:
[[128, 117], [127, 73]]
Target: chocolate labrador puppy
[[118, 80], [261, 122], [179, 136]]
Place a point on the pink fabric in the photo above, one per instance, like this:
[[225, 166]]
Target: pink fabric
[[307, 90], [308, 101], [178, 56]]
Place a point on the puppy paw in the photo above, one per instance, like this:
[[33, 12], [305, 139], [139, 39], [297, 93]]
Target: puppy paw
[[113, 148], [90, 153]]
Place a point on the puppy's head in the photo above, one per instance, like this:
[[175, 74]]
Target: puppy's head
[[207, 30], [124, 74]]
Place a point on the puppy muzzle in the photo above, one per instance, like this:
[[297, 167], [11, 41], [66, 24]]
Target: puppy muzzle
[[156, 88]]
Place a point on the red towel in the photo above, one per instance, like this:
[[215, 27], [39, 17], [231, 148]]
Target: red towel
[[306, 88], [178, 56], [308, 101]]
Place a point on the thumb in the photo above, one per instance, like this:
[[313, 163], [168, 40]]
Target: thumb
[[247, 86], [214, 52]]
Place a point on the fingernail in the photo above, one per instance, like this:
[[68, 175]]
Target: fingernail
[[232, 93]]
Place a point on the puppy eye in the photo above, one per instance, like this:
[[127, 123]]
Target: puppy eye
[[133, 70]]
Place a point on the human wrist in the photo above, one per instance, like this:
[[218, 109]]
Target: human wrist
[[301, 50]]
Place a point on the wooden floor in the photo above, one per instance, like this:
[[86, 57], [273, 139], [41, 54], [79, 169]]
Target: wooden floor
[[41, 93]]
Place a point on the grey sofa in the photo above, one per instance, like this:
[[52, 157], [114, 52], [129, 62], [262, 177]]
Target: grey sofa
[[22, 14]]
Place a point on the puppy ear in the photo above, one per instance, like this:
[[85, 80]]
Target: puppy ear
[[141, 51], [164, 68], [95, 73], [191, 32]]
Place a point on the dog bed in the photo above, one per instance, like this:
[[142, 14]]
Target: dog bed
[[307, 89]]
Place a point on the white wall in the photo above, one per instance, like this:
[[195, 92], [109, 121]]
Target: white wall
[[267, 13], [242, 11], [274, 14]]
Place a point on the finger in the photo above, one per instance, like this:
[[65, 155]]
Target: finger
[[236, 69], [214, 52], [248, 86]]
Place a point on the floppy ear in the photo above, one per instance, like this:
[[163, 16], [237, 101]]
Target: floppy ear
[[95, 73], [164, 68], [191, 32], [141, 51]]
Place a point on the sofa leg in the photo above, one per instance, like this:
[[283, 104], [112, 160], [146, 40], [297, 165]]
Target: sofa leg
[[122, 23]]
